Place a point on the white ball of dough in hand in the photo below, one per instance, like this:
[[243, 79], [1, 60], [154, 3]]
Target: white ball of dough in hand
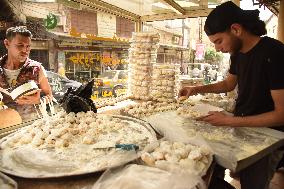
[[158, 155], [173, 158], [148, 159]]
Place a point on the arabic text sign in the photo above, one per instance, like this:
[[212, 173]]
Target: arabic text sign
[[86, 37], [88, 59], [106, 24]]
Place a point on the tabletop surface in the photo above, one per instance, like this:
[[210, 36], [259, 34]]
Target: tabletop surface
[[234, 148]]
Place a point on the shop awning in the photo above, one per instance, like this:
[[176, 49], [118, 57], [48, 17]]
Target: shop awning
[[67, 40], [153, 10], [149, 10]]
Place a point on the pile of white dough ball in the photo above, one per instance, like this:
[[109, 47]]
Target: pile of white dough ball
[[142, 54], [149, 108], [180, 156]]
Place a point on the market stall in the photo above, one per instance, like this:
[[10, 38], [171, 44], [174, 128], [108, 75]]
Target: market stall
[[72, 147], [68, 155], [234, 149], [147, 131]]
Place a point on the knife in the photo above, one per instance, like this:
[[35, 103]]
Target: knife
[[126, 147]]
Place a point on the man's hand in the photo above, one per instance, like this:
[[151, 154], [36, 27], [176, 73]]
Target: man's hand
[[217, 118], [29, 99], [187, 91]]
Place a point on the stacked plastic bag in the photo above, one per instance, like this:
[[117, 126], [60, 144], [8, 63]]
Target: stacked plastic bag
[[142, 55], [164, 82]]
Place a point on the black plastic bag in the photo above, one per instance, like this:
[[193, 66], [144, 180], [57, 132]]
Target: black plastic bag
[[79, 100]]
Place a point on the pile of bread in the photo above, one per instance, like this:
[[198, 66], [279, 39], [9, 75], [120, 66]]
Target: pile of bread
[[164, 85], [170, 155], [142, 55], [103, 102], [148, 108], [67, 130]]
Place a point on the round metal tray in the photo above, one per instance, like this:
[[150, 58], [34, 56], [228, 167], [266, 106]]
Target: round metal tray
[[44, 163], [7, 182]]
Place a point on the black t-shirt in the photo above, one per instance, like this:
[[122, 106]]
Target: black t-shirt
[[258, 71]]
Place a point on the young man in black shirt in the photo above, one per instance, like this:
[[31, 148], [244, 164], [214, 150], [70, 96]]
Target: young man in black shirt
[[257, 65]]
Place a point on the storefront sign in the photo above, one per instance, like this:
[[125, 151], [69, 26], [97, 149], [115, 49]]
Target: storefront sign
[[200, 51], [83, 58], [108, 93], [88, 58], [89, 37], [106, 24], [50, 22], [104, 93]]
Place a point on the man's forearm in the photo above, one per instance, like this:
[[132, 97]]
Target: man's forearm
[[219, 87], [269, 119]]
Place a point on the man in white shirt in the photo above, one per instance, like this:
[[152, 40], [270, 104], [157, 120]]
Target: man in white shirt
[[16, 68]]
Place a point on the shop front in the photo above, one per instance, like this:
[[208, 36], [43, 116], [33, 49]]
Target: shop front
[[85, 59], [148, 138]]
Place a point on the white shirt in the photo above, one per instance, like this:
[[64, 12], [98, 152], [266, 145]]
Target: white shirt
[[12, 76]]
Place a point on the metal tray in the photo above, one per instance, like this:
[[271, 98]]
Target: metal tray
[[7, 130], [6, 182], [34, 163]]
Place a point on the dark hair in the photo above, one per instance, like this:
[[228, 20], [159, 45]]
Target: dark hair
[[256, 27], [21, 30], [226, 14]]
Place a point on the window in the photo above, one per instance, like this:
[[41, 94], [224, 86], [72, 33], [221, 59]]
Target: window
[[40, 56], [124, 27], [84, 22]]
